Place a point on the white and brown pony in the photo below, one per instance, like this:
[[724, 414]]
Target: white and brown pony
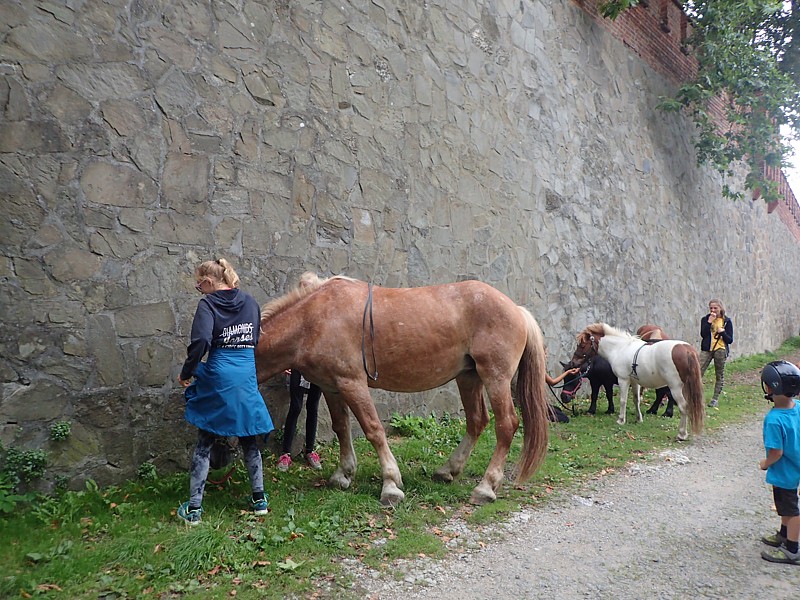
[[637, 364], [346, 337]]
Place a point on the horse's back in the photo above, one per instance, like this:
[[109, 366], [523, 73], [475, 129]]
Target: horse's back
[[420, 338]]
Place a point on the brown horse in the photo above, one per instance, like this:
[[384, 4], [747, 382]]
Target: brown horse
[[671, 363], [408, 340]]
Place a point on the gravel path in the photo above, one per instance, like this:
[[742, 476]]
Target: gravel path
[[684, 525]]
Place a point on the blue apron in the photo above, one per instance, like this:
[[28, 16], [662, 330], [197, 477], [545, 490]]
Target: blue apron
[[224, 399]]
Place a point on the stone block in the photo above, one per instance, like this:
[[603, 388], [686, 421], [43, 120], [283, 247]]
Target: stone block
[[115, 185], [71, 264], [145, 320], [185, 183], [102, 342], [33, 136], [40, 400], [67, 106], [105, 81], [53, 43], [154, 361]]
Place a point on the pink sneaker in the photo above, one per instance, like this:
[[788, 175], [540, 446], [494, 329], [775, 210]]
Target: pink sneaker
[[284, 462], [313, 460]]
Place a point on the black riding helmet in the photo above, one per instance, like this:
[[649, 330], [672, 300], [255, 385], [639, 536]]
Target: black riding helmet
[[782, 377]]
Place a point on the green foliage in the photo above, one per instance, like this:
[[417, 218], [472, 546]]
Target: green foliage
[[125, 542], [748, 55], [445, 430], [24, 465], [60, 431], [147, 472]]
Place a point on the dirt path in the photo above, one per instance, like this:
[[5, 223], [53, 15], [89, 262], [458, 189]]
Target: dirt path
[[684, 525]]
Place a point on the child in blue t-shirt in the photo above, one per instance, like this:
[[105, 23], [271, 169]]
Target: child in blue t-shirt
[[780, 381]]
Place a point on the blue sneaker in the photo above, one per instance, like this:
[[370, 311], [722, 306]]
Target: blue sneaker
[[261, 507], [190, 517]]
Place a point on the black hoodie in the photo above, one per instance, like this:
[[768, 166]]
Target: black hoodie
[[224, 319]]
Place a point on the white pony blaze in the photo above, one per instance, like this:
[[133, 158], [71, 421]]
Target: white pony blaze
[[637, 364]]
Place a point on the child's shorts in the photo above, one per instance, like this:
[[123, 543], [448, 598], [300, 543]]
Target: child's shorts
[[785, 502]]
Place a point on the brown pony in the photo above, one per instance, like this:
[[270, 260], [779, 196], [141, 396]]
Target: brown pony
[[636, 364], [347, 337]]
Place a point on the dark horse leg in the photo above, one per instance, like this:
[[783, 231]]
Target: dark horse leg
[[595, 394], [662, 393], [609, 387]]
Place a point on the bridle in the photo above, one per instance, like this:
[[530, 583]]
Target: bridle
[[571, 393]]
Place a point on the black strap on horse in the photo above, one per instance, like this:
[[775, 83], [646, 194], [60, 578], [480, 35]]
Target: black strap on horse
[[368, 307], [635, 364]]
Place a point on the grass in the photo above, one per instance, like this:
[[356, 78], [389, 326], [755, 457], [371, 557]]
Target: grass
[[125, 542]]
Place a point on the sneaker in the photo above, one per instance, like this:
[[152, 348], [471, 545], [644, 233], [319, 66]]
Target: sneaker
[[713, 404], [261, 507], [781, 555], [284, 462], [775, 540], [189, 516], [313, 460]]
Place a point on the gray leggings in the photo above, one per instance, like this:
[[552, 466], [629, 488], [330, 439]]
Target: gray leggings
[[719, 357], [200, 465]]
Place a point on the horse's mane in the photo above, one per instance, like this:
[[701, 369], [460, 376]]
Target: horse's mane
[[308, 283], [600, 330]]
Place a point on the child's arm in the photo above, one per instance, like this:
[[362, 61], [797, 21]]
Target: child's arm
[[551, 382], [773, 456]]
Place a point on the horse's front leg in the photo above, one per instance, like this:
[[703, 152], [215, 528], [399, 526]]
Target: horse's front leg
[[340, 421], [637, 393], [360, 402], [623, 400], [470, 387]]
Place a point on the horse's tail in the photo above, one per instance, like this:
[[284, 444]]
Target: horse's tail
[[693, 389], [532, 398]]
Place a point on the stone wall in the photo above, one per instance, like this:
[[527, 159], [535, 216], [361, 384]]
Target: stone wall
[[406, 143]]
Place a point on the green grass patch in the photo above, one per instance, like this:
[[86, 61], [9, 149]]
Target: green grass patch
[[125, 541]]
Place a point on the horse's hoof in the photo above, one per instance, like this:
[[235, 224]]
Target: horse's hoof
[[668, 415], [652, 412], [620, 421], [481, 496], [338, 480], [443, 475], [591, 412], [392, 498], [678, 438]]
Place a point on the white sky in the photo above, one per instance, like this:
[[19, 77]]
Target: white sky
[[793, 171]]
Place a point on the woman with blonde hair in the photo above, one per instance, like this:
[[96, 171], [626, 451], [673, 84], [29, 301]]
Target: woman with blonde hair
[[223, 400], [716, 334]]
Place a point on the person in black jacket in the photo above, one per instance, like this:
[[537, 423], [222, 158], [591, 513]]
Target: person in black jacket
[[223, 400], [716, 334]]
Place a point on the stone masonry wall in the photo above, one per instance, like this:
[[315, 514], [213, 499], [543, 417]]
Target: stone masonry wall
[[406, 143]]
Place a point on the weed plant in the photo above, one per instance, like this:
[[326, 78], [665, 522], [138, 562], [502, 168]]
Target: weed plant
[[126, 542]]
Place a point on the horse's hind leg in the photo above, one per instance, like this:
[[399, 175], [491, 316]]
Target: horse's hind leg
[[506, 424], [471, 389], [360, 402], [683, 408], [340, 421]]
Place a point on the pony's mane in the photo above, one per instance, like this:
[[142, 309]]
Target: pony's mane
[[308, 283], [602, 329]]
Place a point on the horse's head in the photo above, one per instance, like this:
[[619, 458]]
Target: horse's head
[[572, 383], [588, 342]]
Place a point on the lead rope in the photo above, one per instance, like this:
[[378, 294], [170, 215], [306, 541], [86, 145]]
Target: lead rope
[[368, 307]]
